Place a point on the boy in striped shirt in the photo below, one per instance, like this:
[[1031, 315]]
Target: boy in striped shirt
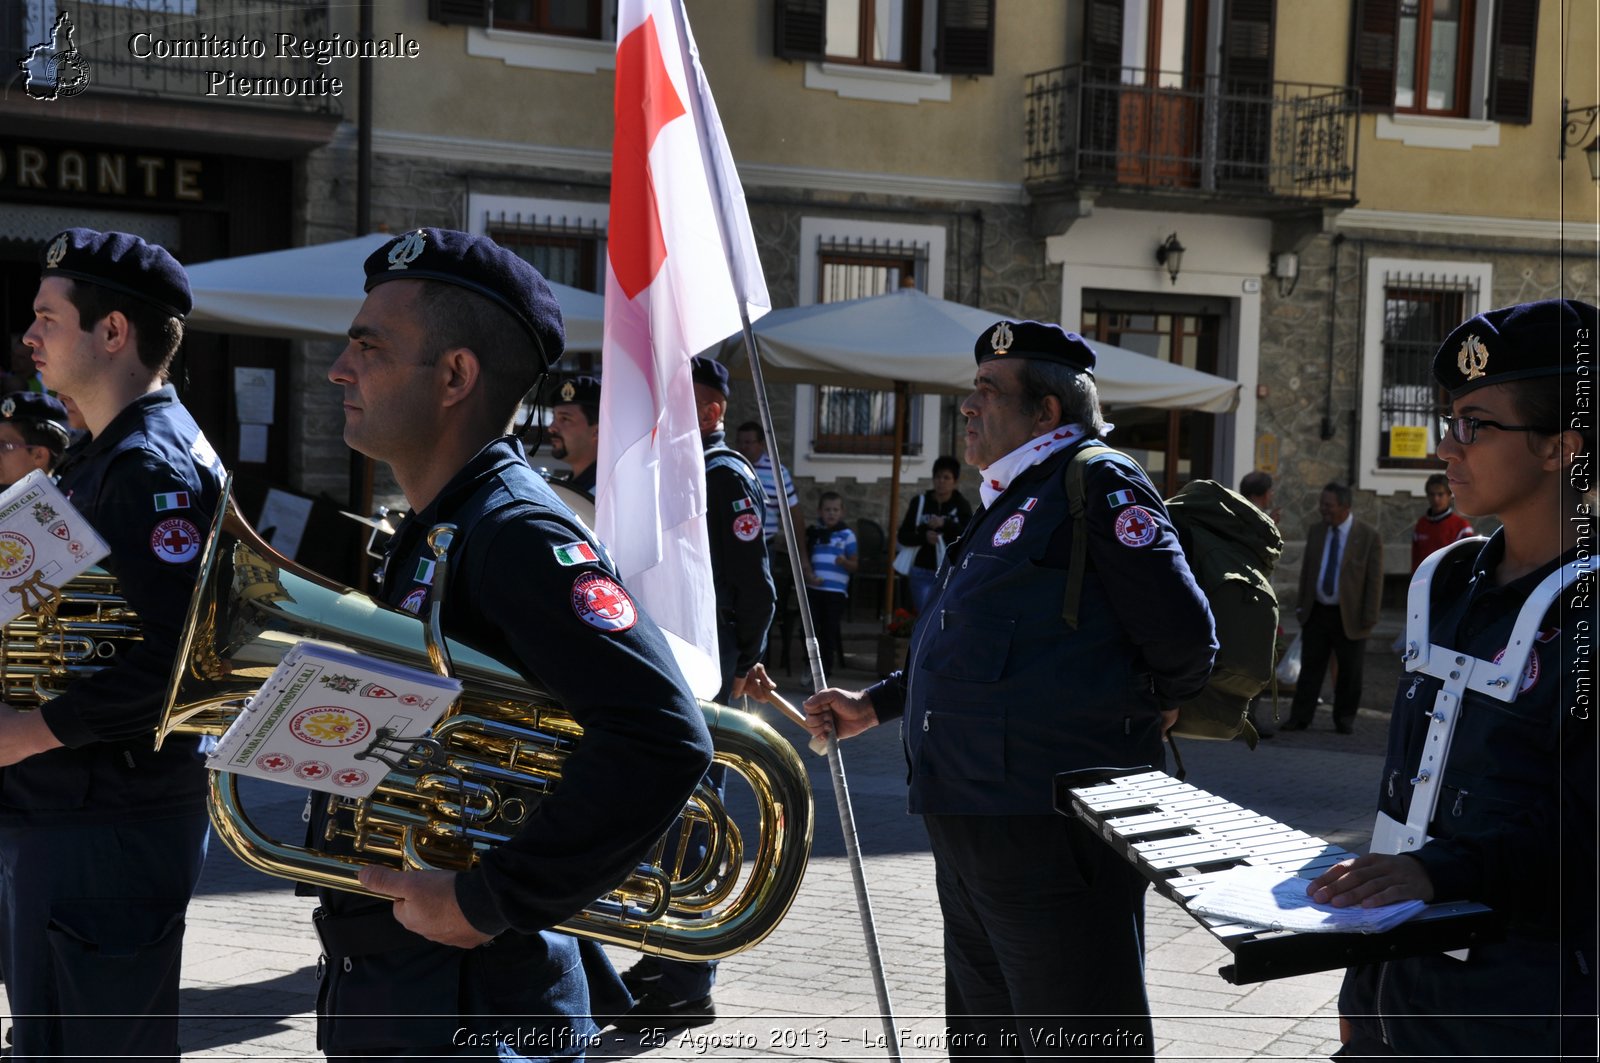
[[832, 547]]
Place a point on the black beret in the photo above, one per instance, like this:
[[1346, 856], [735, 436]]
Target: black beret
[[122, 262], [480, 265], [709, 372], [1515, 343], [1034, 339], [39, 408], [583, 390]]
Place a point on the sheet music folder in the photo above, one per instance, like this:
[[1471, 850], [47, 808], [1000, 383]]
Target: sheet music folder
[[1180, 837], [333, 720]]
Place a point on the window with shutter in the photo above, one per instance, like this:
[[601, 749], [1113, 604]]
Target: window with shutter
[[1511, 61], [459, 12], [560, 18], [966, 37], [799, 28], [1372, 58]]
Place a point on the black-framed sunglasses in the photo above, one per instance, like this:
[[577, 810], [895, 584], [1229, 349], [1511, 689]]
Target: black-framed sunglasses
[[1464, 430]]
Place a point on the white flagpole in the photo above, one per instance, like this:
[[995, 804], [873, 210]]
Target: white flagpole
[[841, 790]]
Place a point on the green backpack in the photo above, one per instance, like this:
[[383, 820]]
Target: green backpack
[[1231, 547]]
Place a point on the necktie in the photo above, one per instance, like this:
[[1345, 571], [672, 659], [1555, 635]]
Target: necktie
[[1331, 572]]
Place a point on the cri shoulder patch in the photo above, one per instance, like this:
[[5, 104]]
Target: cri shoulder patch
[[1136, 526], [175, 541], [746, 526], [600, 602]]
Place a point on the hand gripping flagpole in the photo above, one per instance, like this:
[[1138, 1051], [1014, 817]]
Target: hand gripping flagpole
[[700, 91]]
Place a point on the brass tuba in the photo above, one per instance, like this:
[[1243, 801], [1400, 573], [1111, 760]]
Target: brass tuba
[[484, 767]]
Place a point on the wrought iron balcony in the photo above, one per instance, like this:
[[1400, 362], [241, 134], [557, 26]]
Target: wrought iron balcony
[[1116, 130], [170, 49]]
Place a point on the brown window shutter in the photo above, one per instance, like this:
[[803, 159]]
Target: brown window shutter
[[799, 29], [965, 42], [459, 12], [1102, 33], [1372, 54], [1516, 26], [1247, 45]]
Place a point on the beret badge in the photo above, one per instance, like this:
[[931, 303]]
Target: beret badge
[[568, 392], [1473, 358], [407, 249], [1001, 340], [57, 252], [8, 407]]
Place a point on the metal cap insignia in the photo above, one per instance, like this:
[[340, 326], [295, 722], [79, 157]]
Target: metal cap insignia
[[407, 249], [1001, 340], [8, 407], [1473, 359], [57, 252], [568, 392]]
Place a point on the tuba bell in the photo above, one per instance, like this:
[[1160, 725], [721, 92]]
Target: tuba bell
[[491, 758]]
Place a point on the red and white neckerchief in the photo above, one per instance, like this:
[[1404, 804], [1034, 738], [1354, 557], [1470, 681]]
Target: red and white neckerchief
[[998, 477]]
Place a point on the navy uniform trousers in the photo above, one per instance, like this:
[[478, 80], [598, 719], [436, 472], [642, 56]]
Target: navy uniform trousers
[[114, 933]]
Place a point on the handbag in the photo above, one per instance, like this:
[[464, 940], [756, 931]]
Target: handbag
[[906, 556]]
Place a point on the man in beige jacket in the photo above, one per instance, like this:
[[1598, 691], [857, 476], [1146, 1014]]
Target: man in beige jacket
[[1341, 588]]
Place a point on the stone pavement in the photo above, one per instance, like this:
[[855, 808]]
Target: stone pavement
[[807, 992]]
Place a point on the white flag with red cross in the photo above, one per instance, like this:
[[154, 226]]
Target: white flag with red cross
[[674, 286]]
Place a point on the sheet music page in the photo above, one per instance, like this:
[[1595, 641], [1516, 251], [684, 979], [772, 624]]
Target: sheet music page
[[1267, 897], [44, 542]]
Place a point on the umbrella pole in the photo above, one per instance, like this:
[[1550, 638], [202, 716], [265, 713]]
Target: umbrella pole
[[902, 397], [841, 789]]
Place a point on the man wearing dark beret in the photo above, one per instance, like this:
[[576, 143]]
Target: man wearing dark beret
[[1489, 790], [33, 433], [674, 994], [102, 837], [455, 330], [1013, 677], [575, 431]]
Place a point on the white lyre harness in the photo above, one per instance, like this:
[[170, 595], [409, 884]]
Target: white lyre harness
[[1460, 673]]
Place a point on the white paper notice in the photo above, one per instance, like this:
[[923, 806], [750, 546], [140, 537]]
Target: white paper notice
[[253, 442], [254, 387], [283, 520], [1262, 896]]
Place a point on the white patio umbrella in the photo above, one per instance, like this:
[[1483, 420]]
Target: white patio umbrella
[[313, 293], [912, 338]]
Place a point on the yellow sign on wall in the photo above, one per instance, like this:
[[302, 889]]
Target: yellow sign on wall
[[1267, 453], [1408, 441]]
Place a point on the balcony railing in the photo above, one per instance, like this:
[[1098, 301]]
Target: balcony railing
[[170, 49], [1108, 127]]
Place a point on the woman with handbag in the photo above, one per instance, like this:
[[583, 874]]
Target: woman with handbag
[[934, 521]]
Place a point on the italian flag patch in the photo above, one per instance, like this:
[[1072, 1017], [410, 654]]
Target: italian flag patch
[[742, 504], [1120, 498], [172, 500], [424, 573], [579, 553]]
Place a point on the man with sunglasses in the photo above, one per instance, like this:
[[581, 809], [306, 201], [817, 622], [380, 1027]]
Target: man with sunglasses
[[1341, 589]]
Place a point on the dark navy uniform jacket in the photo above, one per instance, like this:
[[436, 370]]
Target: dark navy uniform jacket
[[149, 484], [1514, 829], [999, 694], [735, 508], [520, 590]]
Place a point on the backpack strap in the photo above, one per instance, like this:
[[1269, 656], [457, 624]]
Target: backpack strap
[[1073, 477]]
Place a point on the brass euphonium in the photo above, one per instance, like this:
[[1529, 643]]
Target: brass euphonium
[[486, 763]]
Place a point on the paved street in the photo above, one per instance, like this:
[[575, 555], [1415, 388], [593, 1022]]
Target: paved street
[[807, 992]]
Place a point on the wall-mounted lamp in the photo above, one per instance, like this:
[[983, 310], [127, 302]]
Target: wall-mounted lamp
[[1170, 255], [1575, 125], [1286, 267]]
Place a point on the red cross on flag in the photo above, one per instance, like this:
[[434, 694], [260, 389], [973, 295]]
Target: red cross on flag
[[681, 266]]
